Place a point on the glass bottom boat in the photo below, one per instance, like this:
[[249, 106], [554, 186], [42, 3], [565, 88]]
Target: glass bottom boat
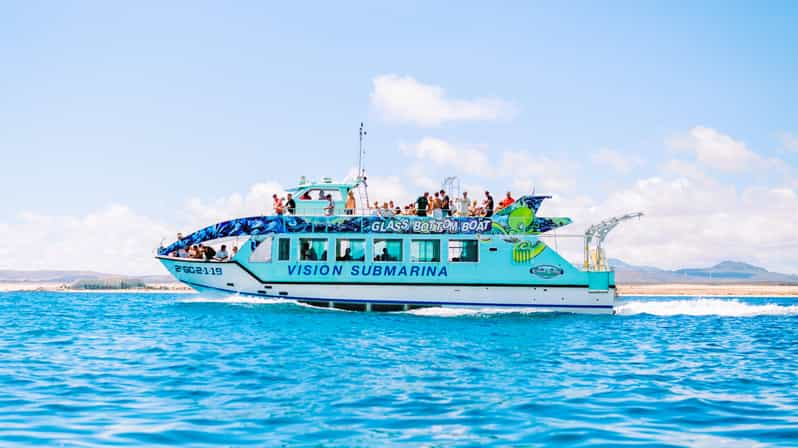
[[393, 263]]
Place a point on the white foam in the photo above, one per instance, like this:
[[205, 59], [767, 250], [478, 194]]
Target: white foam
[[704, 307], [235, 299], [457, 312]]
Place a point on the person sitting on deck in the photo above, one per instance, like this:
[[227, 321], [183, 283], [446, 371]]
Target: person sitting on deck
[[235, 252], [350, 206], [208, 253], [222, 255], [290, 205], [506, 202], [182, 253], [329, 209], [422, 203], [347, 256]]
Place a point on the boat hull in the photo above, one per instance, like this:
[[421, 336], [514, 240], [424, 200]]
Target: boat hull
[[225, 278]]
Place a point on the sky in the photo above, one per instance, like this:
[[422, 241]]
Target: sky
[[124, 123]]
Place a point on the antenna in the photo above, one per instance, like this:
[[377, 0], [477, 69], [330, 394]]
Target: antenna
[[361, 171]]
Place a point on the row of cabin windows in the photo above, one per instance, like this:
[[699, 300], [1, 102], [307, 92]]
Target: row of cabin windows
[[383, 250]]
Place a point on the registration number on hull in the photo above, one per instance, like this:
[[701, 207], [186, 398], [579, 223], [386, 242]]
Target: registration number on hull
[[201, 270]]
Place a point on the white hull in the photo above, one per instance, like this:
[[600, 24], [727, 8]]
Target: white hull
[[232, 279]]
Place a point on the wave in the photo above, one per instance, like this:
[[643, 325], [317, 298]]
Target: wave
[[458, 312], [704, 307], [234, 299]]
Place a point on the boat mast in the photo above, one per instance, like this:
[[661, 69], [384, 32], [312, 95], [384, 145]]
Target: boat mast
[[362, 188], [361, 171]]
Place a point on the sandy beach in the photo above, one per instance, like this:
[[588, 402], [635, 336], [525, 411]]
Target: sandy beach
[[60, 287], [678, 289]]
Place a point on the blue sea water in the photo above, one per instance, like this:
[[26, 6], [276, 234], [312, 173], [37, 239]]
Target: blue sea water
[[134, 369]]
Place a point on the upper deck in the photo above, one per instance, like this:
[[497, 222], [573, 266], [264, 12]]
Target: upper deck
[[520, 218]]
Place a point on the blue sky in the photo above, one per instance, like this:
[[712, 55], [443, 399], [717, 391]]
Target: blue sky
[[149, 105]]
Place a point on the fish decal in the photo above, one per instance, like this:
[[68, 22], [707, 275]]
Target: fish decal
[[526, 251]]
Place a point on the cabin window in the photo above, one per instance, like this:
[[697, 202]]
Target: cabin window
[[463, 250], [425, 251], [261, 251], [350, 250], [318, 194], [388, 250], [284, 249], [313, 249]]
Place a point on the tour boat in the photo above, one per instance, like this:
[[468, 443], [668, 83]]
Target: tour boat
[[375, 261]]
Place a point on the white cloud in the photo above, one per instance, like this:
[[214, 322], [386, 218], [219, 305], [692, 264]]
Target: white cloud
[[530, 172], [469, 159], [114, 239], [692, 219], [717, 150], [615, 160], [257, 201], [789, 142], [403, 99]]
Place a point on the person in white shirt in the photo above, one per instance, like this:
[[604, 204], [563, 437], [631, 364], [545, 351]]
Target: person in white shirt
[[222, 254], [462, 205]]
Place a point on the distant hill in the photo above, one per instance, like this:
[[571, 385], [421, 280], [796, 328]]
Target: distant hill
[[12, 276], [723, 272]]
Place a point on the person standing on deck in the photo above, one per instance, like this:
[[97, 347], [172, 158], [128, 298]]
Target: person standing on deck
[[421, 204], [462, 205], [290, 205], [488, 204], [329, 209], [349, 207]]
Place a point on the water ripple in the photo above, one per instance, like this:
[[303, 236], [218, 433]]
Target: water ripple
[[134, 369]]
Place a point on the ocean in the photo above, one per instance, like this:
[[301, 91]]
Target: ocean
[[132, 369]]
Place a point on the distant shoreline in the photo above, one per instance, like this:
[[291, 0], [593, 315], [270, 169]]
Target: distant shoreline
[[665, 289], [717, 290]]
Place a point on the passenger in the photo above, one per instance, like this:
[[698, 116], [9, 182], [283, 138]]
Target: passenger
[[209, 253], [385, 256], [277, 204], [437, 212], [395, 208], [473, 209], [422, 203], [311, 254], [375, 210], [347, 255], [488, 204], [329, 209], [235, 252], [305, 196], [445, 204], [350, 206], [222, 255], [182, 252], [462, 205], [179, 236], [506, 202], [386, 211], [321, 195], [290, 205]]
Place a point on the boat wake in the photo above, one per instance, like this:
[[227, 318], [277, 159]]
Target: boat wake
[[233, 299], [459, 312], [704, 307]]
